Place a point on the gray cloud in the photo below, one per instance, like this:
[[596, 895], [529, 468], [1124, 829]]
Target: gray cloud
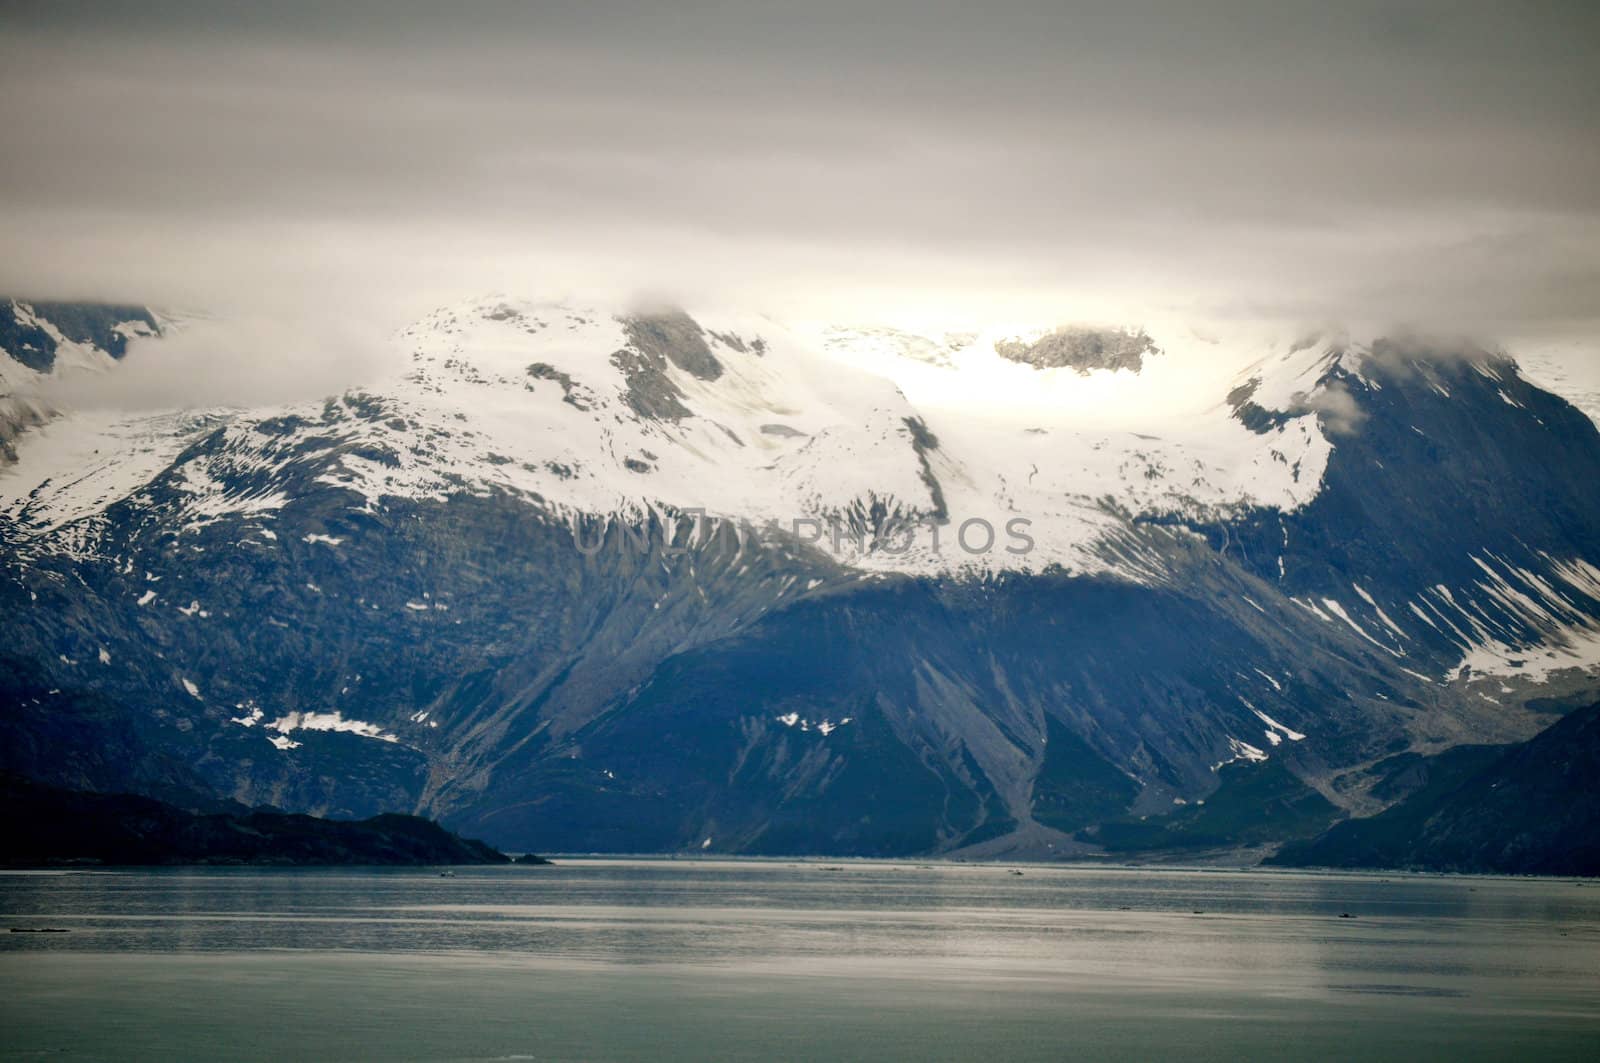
[[1437, 163]]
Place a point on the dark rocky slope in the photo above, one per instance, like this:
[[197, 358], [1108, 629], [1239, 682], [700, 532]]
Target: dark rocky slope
[[1533, 808], [1453, 487]]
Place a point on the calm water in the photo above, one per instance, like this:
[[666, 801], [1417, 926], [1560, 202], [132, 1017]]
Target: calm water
[[711, 960]]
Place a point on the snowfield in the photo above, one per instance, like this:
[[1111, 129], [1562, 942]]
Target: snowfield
[[793, 426]]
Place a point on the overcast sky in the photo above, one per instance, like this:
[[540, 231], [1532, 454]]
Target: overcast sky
[[1434, 163]]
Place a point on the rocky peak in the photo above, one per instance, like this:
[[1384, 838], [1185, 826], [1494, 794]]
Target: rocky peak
[[1082, 348], [674, 336]]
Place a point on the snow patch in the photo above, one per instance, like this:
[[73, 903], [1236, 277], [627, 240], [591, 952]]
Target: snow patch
[[1338, 610], [251, 718], [1241, 751], [1275, 684], [823, 727], [1277, 728], [328, 721]]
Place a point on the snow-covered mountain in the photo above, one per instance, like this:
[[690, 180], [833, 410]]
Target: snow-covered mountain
[[574, 578], [591, 413]]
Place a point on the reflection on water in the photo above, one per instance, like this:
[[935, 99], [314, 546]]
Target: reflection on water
[[691, 959]]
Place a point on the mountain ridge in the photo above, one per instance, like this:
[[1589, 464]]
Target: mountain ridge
[[483, 591], [49, 826]]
